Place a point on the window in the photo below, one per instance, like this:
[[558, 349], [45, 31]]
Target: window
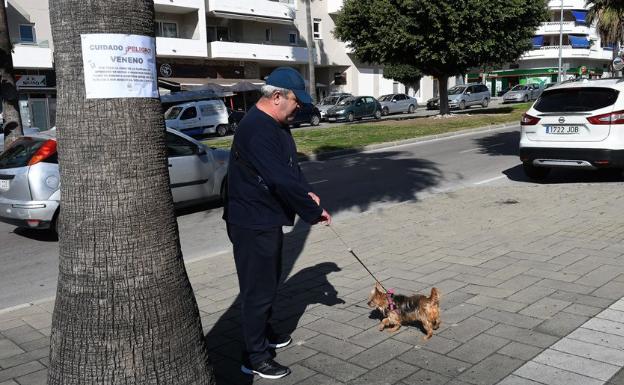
[[267, 35], [369, 100], [578, 99], [166, 29], [27, 33], [189, 113], [316, 29], [218, 33], [292, 38], [177, 146]]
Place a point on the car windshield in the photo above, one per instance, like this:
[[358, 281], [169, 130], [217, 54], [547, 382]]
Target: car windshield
[[385, 98], [578, 99], [330, 101], [519, 88], [346, 101], [173, 112], [456, 90]]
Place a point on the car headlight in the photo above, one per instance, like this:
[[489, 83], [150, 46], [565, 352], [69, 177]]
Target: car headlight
[[339, 111]]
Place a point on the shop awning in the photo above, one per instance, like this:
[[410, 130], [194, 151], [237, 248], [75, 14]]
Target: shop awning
[[578, 41], [538, 41], [188, 84], [580, 16]]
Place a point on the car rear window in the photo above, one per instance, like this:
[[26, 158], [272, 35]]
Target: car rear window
[[20, 152], [576, 99]]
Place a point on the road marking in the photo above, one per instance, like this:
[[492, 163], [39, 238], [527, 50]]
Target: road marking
[[491, 179], [469, 150], [319, 181]]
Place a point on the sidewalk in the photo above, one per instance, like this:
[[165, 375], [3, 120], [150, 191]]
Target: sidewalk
[[530, 278]]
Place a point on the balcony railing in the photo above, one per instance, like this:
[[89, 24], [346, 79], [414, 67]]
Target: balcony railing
[[257, 52], [552, 27], [265, 10], [567, 4], [176, 47], [32, 56], [552, 51]]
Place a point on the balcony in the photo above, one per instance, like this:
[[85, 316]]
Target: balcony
[[257, 10], [567, 4], [257, 52], [552, 52], [178, 6], [569, 27], [176, 47], [32, 56], [334, 6]]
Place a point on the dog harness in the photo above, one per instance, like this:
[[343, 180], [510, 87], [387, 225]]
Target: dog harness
[[391, 305]]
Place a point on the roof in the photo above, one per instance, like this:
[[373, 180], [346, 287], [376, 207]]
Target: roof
[[616, 83]]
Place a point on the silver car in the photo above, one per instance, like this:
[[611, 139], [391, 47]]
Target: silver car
[[523, 93], [30, 184], [397, 103], [331, 101], [462, 96]]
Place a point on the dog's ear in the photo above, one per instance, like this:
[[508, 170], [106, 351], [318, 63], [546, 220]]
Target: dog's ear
[[434, 297], [378, 287]]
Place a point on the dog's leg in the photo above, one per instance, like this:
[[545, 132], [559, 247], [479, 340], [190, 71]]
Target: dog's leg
[[428, 329], [383, 324], [395, 321], [395, 328]]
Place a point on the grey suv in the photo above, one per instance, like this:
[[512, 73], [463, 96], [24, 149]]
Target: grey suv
[[462, 96]]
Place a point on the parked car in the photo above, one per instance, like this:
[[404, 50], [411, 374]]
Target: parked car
[[30, 181], [356, 107], [25, 131], [574, 125], [306, 113], [199, 118], [330, 101], [397, 103], [503, 91], [523, 93], [234, 117], [462, 96]]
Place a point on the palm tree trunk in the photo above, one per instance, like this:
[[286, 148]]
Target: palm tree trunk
[[8, 91], [125, 312], [311, 52]]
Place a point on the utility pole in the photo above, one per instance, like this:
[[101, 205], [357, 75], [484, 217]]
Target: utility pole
[[560, 42], [311, 52]]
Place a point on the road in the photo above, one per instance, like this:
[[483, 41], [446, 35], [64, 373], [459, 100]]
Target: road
[[347, 185]]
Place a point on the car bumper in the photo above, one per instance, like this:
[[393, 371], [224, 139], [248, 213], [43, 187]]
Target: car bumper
[[31, 214], [573, 157], [518, 98], [335, 117]]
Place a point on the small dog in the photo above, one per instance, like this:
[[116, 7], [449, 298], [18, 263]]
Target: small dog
[[398, 309]]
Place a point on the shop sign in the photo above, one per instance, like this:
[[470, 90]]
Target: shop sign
[[30, 81]]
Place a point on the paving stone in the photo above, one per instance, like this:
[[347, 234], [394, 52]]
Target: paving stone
[[515, 319], [20, 370], [9, 382], [531, 294], [320, 379], [591, 351], [598, 337], [611, 290], [460, 313], [584, 310], [446, 366], [37, 378], [36, 344], [22, 334], [478, 348], [565, 286], [436, 343], [295, 354], [424, 377], [491, 370], [299, 373], [545, 308], [467, 329], [515, 380], [336, 368], [495, 292], [520, 351], [333, 346], [561, 324], [600, 276], [389, 373], [522, 335], [553, 376], [23, 358], [509, 271], [576, 364], [9, 349], [478, 279], [581, 299], [448, 286], [438, 276], [519, 282], [496, 303], [334, 329], [603, 324], [333, 314], [379, 354]]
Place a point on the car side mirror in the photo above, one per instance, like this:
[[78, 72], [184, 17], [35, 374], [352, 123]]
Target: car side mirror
[[618, 64], [200, 150], [468, 92]]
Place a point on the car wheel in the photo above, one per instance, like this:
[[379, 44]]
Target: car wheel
[[535, 173], [350, 117], [223, 192], [222, 130], [315, 120], [410, 109], [54, 226], [385, 111], [485, 103], [526, 98], [233, 127], [377, 114], [462, 105]]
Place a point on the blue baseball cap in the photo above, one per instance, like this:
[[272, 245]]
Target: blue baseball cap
[[290, 79]]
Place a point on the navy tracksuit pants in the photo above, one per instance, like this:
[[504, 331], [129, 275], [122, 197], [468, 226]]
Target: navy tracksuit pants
[[258, 258]]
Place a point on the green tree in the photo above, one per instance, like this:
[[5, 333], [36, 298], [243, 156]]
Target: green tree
[[125, 312], [8, 91], [609, 18], [442, 38], [403, 73]]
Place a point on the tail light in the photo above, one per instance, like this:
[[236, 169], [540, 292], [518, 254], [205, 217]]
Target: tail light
[[44, 152], [528, 120], [616, 117]]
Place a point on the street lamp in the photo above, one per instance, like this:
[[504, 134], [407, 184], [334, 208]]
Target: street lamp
[[560, 42]]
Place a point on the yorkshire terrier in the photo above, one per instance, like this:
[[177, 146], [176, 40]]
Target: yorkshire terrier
[[398, 309]]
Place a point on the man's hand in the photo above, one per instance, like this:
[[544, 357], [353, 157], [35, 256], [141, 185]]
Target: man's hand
[[315, 198], [325, 218]]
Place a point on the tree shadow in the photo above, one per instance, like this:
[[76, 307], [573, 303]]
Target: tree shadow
[[502, 143], [355, 183]]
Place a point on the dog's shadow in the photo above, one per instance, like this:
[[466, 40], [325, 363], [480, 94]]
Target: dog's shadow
[[377, 315]]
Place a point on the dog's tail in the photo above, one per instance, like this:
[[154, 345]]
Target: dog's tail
[[435, 296]]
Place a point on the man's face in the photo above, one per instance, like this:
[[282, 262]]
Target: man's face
[[287, 107]]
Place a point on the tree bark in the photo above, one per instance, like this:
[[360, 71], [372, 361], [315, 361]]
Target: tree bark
[[443, 84], [8, 91], [311, 52], [125, 312]]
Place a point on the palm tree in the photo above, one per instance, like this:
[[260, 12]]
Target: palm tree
[[609, 18], [8, 91], [125, 312]]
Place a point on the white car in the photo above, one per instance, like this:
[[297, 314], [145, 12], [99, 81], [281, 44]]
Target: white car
[[574, 125]]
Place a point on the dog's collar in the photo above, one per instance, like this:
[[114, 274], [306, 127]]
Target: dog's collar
[[391, 305]]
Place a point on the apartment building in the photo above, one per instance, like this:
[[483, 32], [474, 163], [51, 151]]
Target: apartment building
[[583, 52]]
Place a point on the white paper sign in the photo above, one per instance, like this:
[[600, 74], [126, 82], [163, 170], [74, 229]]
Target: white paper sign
[[119, 66]]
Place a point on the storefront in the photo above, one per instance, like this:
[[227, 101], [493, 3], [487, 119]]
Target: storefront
[[37, 99]]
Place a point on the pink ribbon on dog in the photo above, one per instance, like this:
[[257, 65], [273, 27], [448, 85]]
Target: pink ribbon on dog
[[391, 305]]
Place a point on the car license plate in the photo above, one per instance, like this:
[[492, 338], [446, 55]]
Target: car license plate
[[4, 185], [563, 130], [331, 119]]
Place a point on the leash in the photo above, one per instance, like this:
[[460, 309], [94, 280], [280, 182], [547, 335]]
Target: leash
[[350, 250]]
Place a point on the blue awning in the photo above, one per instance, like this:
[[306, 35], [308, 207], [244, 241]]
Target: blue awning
[[578, 41], [580, 16], [538, 41]]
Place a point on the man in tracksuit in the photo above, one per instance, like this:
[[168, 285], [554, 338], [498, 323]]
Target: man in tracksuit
[[266, 188]]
